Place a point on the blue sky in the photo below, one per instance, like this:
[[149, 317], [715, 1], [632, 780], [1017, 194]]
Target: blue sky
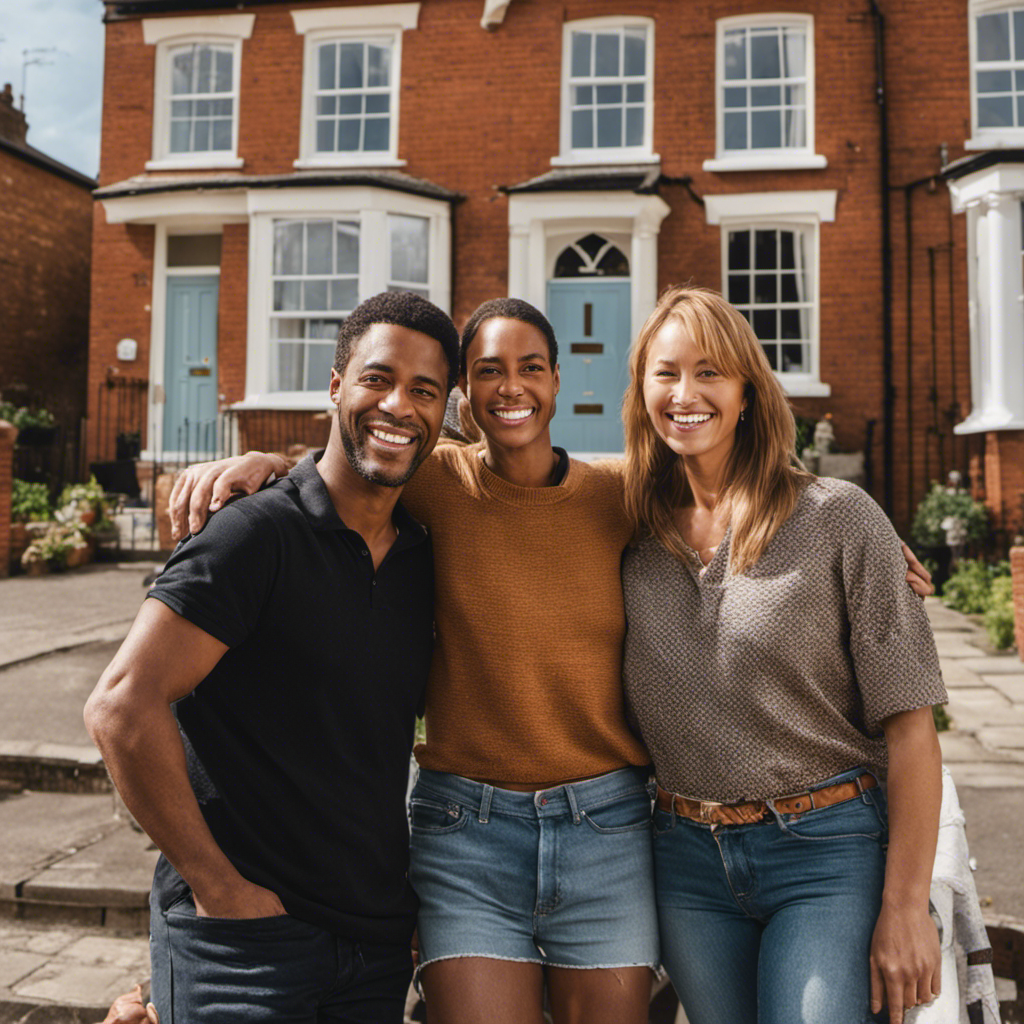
[[62, 98]]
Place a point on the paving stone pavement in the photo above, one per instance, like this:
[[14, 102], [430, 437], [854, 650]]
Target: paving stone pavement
[[69, 849]]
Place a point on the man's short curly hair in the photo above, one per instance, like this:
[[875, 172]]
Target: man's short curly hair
[[403, 309], [511, 309]]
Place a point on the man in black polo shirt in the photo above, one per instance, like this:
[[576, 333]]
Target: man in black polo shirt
[[293, 639]]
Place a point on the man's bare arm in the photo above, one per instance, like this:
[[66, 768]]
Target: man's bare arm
[[163, 658]]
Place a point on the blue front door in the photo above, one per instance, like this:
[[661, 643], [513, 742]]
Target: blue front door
[[592, 324], [190, 366]]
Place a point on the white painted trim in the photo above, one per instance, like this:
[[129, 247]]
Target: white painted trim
[[724, 157], [568, 156], [749, 206], [986, 138], [767, 160], [195, 207], [353, 160], [315, 36], [192, 271], [201, 162], [224, 26], [369, 206], [536, 219], [980, 186], [603, 157], [804, 384], [332, 19], [162, 157], [996, 138], [157, 341], [494, 13]]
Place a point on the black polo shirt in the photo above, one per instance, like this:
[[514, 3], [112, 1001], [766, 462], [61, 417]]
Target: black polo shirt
[[298, 741]]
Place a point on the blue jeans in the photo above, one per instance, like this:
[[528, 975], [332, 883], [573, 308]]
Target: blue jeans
[[270, 970], [771, 923], [561, 877]]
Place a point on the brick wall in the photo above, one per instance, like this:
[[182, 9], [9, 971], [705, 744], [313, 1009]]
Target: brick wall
[[480, 110], [8, 434], [1017, 570], [45, 234]]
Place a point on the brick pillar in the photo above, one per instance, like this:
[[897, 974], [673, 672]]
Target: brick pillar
[[1017, 568], [8, 435], [1004, 479]]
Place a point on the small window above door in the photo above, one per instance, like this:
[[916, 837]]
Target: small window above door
[[592, 256]]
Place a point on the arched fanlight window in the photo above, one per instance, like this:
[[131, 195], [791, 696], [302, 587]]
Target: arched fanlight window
[[592, 256]]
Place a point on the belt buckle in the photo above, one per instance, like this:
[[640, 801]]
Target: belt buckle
[[707, 808]]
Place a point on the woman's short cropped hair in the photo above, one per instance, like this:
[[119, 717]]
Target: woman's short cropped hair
[[511, 309], [763, 476]]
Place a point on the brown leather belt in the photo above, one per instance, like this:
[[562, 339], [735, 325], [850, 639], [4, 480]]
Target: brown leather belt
[[710, 813]]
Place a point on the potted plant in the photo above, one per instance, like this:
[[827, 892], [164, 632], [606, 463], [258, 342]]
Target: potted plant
[[30, 503], [940, 507], [61, 547], [83, 503], [35, 426]]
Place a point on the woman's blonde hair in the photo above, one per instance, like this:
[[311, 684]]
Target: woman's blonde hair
[[763, 477]]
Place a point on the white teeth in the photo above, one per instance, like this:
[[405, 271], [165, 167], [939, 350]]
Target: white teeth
[[391, 438], [689, 418], [512, 414]]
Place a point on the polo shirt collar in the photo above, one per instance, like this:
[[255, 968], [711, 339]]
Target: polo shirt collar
[[315, 502]]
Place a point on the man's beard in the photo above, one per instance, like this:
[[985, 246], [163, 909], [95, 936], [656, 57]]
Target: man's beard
[[355, 453]]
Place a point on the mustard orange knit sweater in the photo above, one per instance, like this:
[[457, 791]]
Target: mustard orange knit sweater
[[526, 684]]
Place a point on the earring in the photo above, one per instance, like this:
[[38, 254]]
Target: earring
[[741, 415]]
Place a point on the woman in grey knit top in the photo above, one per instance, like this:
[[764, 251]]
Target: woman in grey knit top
[[782, 675]]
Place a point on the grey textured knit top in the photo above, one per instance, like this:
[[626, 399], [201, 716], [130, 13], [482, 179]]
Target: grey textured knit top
[[757, 685]]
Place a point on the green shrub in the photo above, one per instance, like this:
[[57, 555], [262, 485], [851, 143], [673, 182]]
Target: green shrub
[[23, 417], [939, 503], [999, 613], [969, 588], [29, 502], [941, 718]]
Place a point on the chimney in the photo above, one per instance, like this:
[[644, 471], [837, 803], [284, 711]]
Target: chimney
[[13, 126]]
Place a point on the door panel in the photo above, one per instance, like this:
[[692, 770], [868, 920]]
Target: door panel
[[591, 321], [190, 367]]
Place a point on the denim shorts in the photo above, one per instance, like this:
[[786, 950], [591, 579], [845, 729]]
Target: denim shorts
[[561, 877], [772, 922]]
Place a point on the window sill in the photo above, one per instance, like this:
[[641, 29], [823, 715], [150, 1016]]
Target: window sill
[[336, 163], [298, 401], [200, 162], [803, 388], [767, 162], [603, 157], [997, 140]]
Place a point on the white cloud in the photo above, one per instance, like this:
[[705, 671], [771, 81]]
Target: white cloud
[[63, 96]]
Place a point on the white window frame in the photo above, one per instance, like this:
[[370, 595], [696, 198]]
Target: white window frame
[[378, 23], [786, 211], [988, 138], [783, 158], [569, 157], [369, 207], [167, 35]]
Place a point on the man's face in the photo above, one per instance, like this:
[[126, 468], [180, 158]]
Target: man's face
[[391, 401]]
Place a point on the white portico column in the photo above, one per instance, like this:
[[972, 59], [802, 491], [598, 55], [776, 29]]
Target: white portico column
[[1005, 316], [644, 265]]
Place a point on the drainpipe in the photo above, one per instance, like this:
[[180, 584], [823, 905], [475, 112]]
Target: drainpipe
[[888, 389]]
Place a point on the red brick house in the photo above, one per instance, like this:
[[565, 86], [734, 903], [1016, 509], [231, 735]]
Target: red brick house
[[846, 172], [46, 213]]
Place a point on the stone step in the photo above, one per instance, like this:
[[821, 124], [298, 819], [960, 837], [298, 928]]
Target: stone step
[[70, 858]]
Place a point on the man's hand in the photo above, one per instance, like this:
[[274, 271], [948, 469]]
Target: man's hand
[[919, 578], [244, 900], [206, 486], [129, 1009]]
